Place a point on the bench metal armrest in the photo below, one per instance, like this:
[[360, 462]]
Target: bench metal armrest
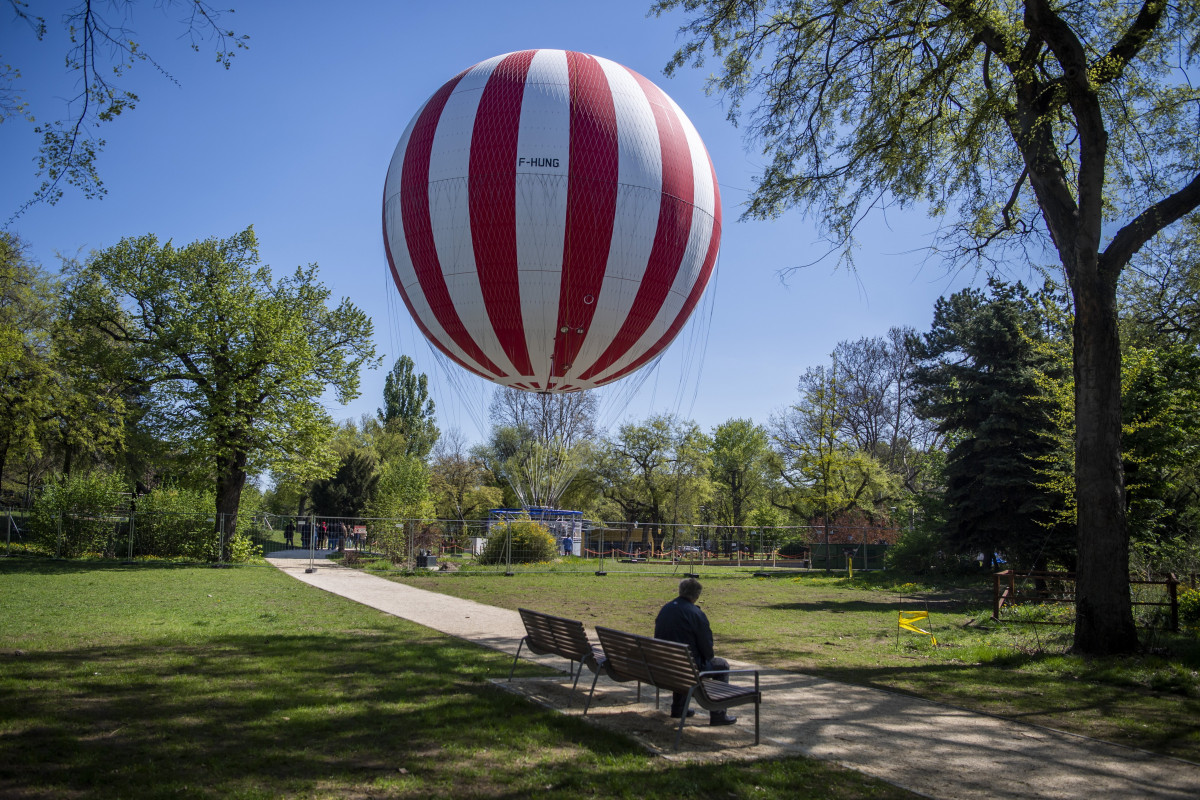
[[742, 671]]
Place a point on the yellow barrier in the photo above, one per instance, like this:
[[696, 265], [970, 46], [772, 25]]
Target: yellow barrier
[[907, 620]]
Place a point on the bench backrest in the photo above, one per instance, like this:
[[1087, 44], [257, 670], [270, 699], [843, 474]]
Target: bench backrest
[[559, 635], [667, 665]]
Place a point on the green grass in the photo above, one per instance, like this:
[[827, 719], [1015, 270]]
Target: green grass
[[165, 680], [845, 629]]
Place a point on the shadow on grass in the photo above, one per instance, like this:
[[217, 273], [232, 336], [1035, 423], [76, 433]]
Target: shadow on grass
[[365, 712]]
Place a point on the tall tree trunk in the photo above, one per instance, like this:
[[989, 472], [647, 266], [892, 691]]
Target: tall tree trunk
[[1104, 613], [231, 479]]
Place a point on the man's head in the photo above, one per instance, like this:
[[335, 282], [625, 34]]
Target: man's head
[[689, 589]]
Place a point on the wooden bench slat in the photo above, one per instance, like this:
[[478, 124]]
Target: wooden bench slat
[[670, 666], [546, 634]]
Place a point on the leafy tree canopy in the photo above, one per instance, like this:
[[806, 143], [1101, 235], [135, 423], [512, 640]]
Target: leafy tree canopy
[[1021, 126], [235, 362]]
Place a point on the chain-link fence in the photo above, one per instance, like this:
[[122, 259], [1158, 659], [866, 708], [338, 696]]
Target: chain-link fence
[[507, 543]]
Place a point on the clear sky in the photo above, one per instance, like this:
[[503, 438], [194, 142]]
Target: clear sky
[[295, 138]]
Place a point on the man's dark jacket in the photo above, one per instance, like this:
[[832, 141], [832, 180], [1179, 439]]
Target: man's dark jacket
[[682, 621]]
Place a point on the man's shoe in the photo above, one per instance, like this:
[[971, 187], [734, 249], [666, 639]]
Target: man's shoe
[[722, 719], [691, 713]]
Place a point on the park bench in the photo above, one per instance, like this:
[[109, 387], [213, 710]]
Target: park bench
[[546, 634], [669, 666]]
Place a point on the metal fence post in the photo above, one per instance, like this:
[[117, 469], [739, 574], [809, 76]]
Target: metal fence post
[[59, 529], [508, 546], [132, 522], [312, 543]]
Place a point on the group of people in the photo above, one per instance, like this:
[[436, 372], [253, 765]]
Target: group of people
[[321, 535]]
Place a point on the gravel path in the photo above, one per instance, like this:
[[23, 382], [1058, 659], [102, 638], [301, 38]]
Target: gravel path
[[929, 748]]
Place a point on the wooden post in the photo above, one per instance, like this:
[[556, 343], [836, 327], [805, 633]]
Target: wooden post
[[996, 596]]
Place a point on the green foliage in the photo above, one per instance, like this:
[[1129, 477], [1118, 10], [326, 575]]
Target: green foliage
[[80, 514], [1018, 126], [741, 470], [519, 541], [350, 490], [658, 471], [824, 471], [242, 547], [540, 441], [407, 410], [234, 362], [174, 522], [981, 375], [1189, 607], [27, 375], [402, 491]]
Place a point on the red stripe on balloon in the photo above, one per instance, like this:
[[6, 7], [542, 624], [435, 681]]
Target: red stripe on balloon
[[710, 260], [591, 204], [387, 248], [670, 238], [492, 189], [418, 230]]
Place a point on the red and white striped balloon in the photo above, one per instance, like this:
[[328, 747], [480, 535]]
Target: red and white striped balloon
[[551, 219]]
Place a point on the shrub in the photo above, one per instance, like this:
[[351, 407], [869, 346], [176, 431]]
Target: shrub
[[175, 523], [242, 548], [532, 543], [90, 510], [921, 552], [1189, 607]]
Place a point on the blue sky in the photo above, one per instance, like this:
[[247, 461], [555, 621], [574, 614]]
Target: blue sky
[[296, 138]]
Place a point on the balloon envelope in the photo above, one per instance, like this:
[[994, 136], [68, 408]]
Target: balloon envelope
[[551, 220]]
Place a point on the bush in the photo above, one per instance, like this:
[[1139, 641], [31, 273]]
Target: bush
[[242, 548], [921, 552], [1189, 607], [532, 543], [80, 514], [175, 523]]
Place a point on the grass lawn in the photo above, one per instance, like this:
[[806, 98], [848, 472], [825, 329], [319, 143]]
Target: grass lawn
[[845, 629], [186, 681]]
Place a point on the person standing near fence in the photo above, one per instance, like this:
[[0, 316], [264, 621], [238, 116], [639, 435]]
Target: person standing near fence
[[289, 534], [681, 620]]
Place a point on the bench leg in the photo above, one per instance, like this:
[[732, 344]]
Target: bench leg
[[687, 702], [591, 693], [576, 675], [756, 704], [517, 656]]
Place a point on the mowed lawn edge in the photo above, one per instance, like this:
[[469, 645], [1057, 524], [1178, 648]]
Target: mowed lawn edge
[[157, 680]]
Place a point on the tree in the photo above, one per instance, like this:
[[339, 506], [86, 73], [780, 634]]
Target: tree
[[657, 472], [27, 317], [541, 441], [740, 469], [100, 51], [827, 473], [1026, 124], [407, 409], [349, 490], [875, 401], [979, 375], [235, 363], [460, 481]]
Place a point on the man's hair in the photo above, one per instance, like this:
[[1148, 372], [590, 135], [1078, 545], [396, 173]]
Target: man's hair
[[689, 588]]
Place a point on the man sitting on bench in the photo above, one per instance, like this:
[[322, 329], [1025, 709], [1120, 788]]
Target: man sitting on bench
[[681, 620]]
